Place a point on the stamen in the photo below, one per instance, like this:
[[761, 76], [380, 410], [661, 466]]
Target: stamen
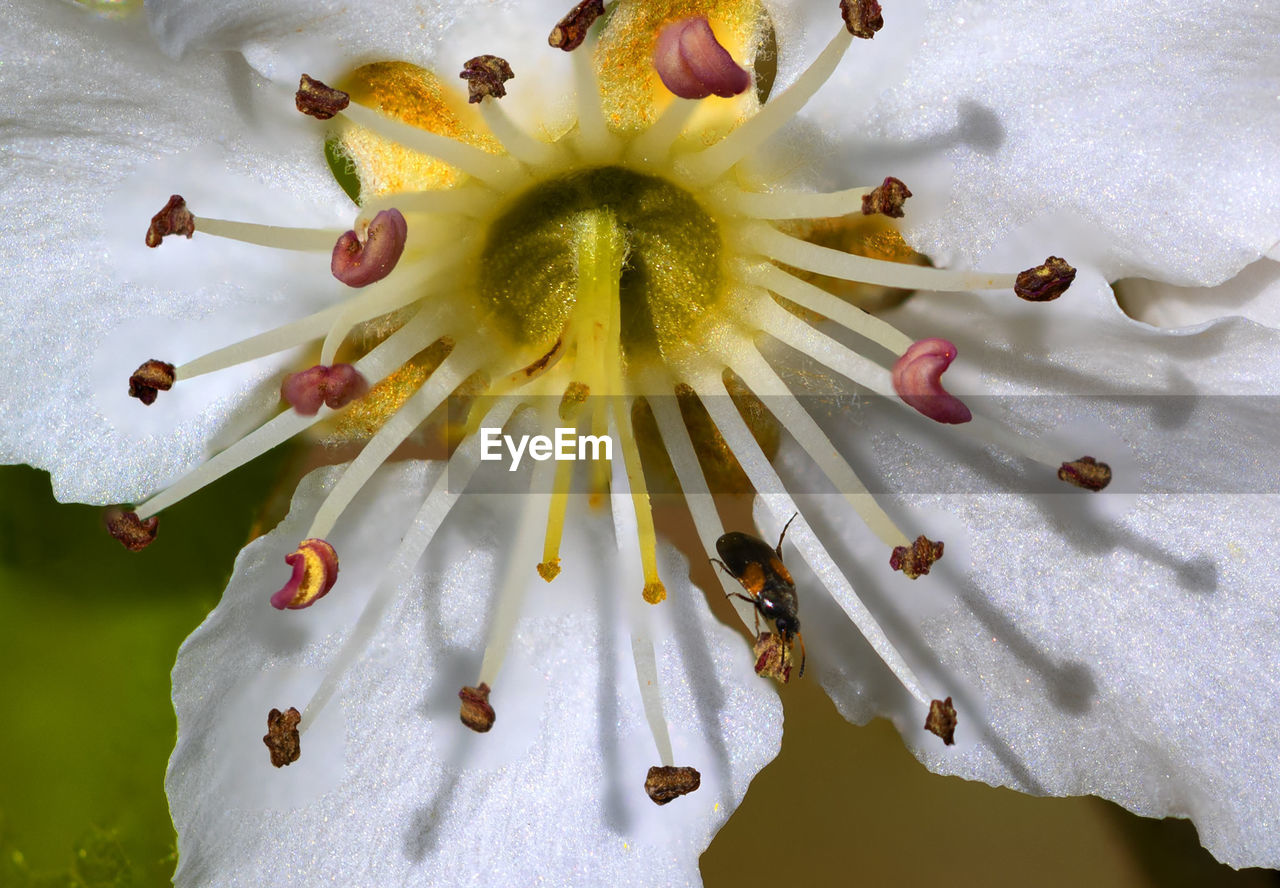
[[793, 204], [715, 397], [1046, 282], [886, 198], [515, 579], [549, 567], [132, 532], [942, 720], [457, 367], [150, 379], [654, 144], [595, 142], [492, 169], [486, 76], [693, 64], [917, 378], [319, 100], [693, 484], [391, 353], [173, 218], [766, 384], [915, 560], [801, 254], [282, 736], [335, 386], [476, 711], [519, 144], [571, 30], [816, 299], [359, 261], [467, 199], [315, 570], [277, 237], [642, 654], [773, 115], [1086, 472], [666, 784], [448, 478], [862, 17]]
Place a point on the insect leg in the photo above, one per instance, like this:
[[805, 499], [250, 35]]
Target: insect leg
[[784, 533]]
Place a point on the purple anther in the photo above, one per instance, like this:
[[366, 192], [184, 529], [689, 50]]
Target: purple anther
[[693, 64], [315, 570], [917, 378], [360, 261], [336, 386]]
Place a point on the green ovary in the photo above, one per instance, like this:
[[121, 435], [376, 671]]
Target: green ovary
[[671, 276]]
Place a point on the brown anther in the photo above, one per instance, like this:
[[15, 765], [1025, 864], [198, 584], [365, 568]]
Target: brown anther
[[773, 658], [571, 30], [485, 76], [1086, 472], [174, 218], [476, 713], [549, 570], [942, 721], [150, 379], [1045, 283], [862, 17], [282, 736], [319, 100], [886, 199], [916, 559], [667, 783], [132, 532]]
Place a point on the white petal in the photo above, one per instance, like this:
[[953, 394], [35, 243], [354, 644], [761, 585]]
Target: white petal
[[94, 106], [1114, 644], [399, 792], [1254, 294], [1151, 126]]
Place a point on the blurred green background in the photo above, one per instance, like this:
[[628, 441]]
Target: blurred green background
[[88, 633]]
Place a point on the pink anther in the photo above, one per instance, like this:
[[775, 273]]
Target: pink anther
[[315, 570], [359, 261], [336, 386], [917, 378], [693, 64]]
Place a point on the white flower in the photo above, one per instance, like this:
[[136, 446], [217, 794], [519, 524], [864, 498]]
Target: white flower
[[1115, 645]]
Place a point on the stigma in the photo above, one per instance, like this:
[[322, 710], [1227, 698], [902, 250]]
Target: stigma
[[599, 271]]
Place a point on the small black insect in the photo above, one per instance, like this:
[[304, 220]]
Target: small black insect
[[759, 568]]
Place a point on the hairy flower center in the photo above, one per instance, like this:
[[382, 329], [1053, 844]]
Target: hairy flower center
[[672, 272]]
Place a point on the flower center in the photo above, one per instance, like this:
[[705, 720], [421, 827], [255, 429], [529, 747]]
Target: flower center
[[529, 272]]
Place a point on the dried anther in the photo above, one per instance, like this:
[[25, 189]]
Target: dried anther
[[916, 559], [1045, 283], [942, 721], [174, 218], [282, 736], [917, 378], [132, 532], [862, 17], [485, 76], [476, 712], [773, 657], [359, 261], [319, 100], [150, 379], [693, 64], [1086, 472], [335, 386], [886, 199], [549, 570], [664, 784], [315, 570], [571, 30]]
